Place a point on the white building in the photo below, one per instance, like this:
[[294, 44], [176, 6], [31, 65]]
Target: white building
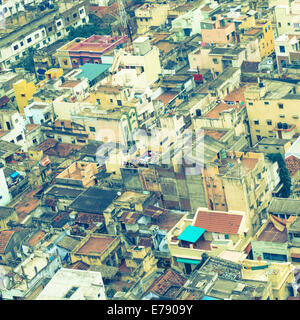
[[37, 28], [5, 196], [70, 284]]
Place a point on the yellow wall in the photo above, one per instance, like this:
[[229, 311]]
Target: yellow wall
[[23, 92], [266, 44], [261, 112]]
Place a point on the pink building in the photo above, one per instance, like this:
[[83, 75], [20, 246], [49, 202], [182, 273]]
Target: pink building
[[217, 30], [92, 49]]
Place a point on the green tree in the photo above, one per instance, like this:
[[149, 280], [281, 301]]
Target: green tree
[[26, 62], [284, 174]]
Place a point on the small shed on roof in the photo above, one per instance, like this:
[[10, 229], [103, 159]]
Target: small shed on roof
[[191, 234]]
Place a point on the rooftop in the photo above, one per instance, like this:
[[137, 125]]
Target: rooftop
[[284, 206], [165, 281], [234, 100], [220, 222], [95, 245], [271, 234]]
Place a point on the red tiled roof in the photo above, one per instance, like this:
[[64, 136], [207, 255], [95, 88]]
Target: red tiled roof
[[293, 164], [129, 217], [79, 265], [5, 236], [234, 96], [165, 281], [36, 238], [220, 222], [95, 245]]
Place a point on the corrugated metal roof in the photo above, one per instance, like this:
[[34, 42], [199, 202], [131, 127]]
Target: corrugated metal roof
[[191, 234], [93, 70]]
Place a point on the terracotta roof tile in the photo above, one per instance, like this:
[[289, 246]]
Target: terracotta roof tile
[[95, 245], [36, 238], [232, 97], [165, 281], [5, 236], [220, 222], [79, 265]]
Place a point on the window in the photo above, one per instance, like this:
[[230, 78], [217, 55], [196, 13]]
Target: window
[[36, 36], [34, 141], [256, 122], [119, 102], [111, 100], [295, 117], [44, 41], [81, 11], [258, 137], [282, 48], [29, 40], [279, 24], [16, 47], [59, 23], [21, 43], [80, 141], [98, 101], [280, 105], [38, 46], [266, 102], [269, 122], [58, 34], [215, 61], [75, 15], [50, 29], [19, 137], [250, 103], [83, 20], [92, 129], [281, 116]]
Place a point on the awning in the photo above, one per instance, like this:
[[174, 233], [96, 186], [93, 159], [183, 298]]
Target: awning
[[191, 234], [209, 298], [190, 261], [14, 175]]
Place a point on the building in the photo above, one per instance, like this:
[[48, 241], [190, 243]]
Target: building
[[279, 118], [218, 31], [287, 49], [99, 249], [279, 275], [38, 27], [28, 277], [23, 92], [150, 15], [95, 50], [270, 242], [5, 196], [81, 174], [287, 17], [38, 113], [69, 284], [207, 232]]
